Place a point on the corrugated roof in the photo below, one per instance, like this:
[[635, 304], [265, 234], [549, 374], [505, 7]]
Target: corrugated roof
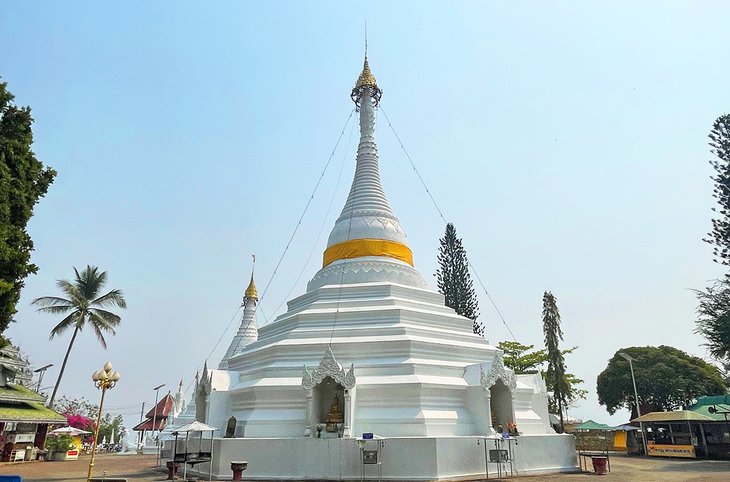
[[147, 424], [14, 392], [591, 425], [675, 416], [29, 412], [163, 408]]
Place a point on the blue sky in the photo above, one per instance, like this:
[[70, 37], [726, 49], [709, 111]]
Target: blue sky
[[567, 141]]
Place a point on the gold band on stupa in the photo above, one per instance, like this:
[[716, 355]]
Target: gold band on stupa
[[358, 248]]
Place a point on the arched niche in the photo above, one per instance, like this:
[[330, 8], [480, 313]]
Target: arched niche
[[328, 398], [502, 410], [230, 428]]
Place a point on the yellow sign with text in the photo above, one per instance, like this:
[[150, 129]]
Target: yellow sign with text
[[684, 451]]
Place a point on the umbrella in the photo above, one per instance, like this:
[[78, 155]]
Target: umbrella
[[111, 439], [103, 440], [68, 430]]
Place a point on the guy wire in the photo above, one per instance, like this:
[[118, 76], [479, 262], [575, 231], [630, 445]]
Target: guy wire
[[441, 214]]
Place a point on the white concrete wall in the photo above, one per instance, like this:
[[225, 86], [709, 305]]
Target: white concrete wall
[[402, 458]]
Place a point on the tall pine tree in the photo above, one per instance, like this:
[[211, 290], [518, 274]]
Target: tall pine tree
[[23, 181], [719, 237], [454, 281], [555, 376]]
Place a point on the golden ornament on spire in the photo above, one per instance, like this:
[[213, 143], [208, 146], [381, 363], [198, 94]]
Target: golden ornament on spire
[[366, 77], [366, 81], [251, 290]]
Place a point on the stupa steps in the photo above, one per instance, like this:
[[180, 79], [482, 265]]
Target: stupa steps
[[373, 290], [358, 328], [362, 352]]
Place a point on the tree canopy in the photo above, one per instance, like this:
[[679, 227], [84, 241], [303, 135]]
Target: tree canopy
[[453, 279], [666, 379], [83, 303], [555, 375], [82, 414], [23, 181], [524, 359], [713, 311], [719, 236], [713, 319]]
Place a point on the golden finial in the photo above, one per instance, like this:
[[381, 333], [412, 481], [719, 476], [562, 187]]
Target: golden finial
[[251, 290], [366, 80]]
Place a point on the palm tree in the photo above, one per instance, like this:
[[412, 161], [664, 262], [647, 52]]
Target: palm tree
[[82, 303]]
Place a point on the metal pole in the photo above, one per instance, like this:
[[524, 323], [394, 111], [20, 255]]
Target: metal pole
[[96, 432], [154, 414], [140, 438], [638, 408]]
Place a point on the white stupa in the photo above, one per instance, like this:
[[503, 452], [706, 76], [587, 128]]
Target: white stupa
[[369, 348]]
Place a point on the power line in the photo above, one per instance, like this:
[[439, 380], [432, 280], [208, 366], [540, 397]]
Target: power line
[[441, 215], [306, 207], [324, 221]]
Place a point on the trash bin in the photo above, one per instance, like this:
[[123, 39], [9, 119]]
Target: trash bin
[[599, 465]]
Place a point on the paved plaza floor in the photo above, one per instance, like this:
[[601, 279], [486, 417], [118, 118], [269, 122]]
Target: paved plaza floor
[[142, 468]]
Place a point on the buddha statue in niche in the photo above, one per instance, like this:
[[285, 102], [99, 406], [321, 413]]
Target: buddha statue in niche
[[334, 416]]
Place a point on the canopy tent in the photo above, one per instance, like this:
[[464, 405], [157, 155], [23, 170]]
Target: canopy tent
[[73, 431], [195, 427], [675, 416], [722, 409], [591, 425], [625, 427]]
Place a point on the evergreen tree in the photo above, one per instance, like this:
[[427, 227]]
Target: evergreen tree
[[555, 376], [23, 181], [454, 281], [719, 237], [713, 320]]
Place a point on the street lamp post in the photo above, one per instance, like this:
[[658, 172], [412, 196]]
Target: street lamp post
[[154, 413], [154, 422], [630, 359], [41, 371], [105, 379]]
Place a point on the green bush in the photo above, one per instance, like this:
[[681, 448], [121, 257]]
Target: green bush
[[59, 443]]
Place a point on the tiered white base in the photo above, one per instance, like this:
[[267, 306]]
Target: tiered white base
[[403, 458]]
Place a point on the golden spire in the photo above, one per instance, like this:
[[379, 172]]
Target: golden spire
[[366, 79], [366, 82], [251, 290]]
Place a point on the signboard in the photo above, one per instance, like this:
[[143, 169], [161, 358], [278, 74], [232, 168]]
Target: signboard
[[499, 456], [24, 437], [684, 451], [369, 457]]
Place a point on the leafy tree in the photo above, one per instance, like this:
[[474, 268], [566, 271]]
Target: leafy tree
[[83, 303], [521, 358], [666, 379], [555, 375], [23, 181], [713, 319], [524, 359], [719, 237], [82, 414], [453, 279]]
